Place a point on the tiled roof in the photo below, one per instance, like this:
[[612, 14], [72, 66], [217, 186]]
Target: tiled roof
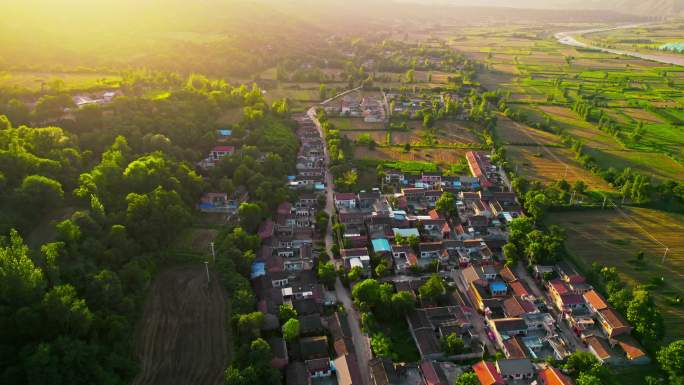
[[595, 300], [487, 374], [553, 376]]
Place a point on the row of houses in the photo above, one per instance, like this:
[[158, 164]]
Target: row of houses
[[603, 330], [518, 371], [310, 163], [282, 274]]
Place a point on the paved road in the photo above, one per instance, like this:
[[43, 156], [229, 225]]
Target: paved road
[[568, 335], [476, 318], [568, 38], [360, 340]]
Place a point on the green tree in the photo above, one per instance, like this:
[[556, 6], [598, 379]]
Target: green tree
[[249, 325], [355, 274], [671, 360], [38, 194], [511, 252], [433, 288], [327, 274], [453, 344], [381, 345], [446, 205], [580, 362], [155, 218], [291, 330], [65, 312], [286, 312], [588, 379], [367, 292], [403, 303], [468, 378], [381, 269], [21, 282], [250, 215]]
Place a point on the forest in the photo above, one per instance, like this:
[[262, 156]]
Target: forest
[[125, 181]]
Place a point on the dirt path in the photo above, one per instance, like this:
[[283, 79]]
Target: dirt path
[[181, 339]]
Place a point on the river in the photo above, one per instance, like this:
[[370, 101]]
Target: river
[[568, 38]]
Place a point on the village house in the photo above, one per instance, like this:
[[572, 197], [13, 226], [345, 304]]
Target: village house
[[516, 369], [600, 349], [404, 257], [613, 323], [553, 376], [347, 370], [563, 298], [359, 257], [429, 252], [345, 201], [487, 373]]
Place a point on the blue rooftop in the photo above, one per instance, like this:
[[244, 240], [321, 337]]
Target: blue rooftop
[[497, 286], [381, 245], [258, 269], [225, 132]]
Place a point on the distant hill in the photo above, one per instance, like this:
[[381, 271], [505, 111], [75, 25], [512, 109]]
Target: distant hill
[[637, 7]]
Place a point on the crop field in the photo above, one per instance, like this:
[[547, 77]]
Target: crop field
[[380, 137], [446, 133], [511, 132], [344, 124], [181, 337], [643, 115], [642, 39], [550, 164], [297, 94], [612, 239], [657, 165], [443, 156], [71, 81], [528, 63]]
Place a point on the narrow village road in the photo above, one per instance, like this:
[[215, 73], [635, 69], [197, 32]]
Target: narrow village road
[[359, 339], [477, 319], [568, 335]]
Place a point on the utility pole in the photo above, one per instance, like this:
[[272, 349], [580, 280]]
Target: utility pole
[[604, 202], [667, 249], [572, 197], [206, 266], [213, 253]]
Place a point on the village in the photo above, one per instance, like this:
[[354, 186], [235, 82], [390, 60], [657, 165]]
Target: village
[[509, 321]]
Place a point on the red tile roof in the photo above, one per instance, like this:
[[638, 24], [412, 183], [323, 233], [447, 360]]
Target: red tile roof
[[487, 374], [595, 300], [223, 149], [559, 286], [553, 376]]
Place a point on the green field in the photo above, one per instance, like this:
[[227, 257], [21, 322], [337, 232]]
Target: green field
[[613, 238], [64, 81], [545, 78]]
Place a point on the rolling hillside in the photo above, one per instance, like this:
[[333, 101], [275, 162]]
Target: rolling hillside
[[636, 7]]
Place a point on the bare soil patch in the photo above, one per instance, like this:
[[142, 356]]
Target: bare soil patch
[[181, 338]]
